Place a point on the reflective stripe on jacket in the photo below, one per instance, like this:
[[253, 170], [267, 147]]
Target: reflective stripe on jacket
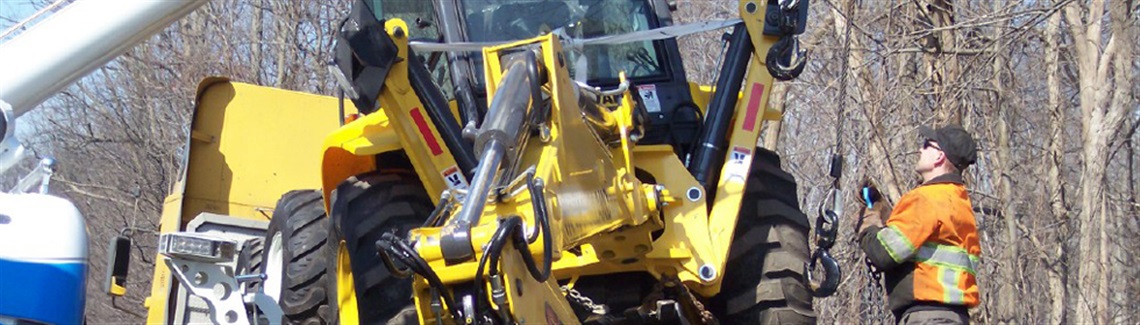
[[929, 249]]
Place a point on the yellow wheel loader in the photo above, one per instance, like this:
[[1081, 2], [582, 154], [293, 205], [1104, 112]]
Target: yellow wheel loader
[[510, 162]]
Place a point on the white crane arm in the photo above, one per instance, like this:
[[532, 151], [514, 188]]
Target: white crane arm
[[76, 40]]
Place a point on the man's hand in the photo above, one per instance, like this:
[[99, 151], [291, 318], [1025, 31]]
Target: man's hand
[[873, 215]]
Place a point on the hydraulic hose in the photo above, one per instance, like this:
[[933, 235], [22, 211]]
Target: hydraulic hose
[[511, 228], [393, 246], [538, 200]]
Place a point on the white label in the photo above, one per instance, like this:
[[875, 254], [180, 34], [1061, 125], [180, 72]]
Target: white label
[[649, 98], [739, 159], [454, 178]]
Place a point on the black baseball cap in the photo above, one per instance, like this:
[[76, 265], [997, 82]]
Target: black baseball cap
[[955, 142]]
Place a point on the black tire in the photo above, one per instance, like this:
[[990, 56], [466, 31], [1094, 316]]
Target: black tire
[[300, 221], [251, 260], [253, 255], [364, 208], [763, 281]]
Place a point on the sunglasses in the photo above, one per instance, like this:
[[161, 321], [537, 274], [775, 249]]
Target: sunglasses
[[930, 144]]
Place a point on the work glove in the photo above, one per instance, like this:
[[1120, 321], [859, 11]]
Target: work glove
[[876, 210]]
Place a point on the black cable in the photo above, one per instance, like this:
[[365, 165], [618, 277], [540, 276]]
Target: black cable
[[515, 223], [495, 250], [669, 132], [390, 246], [511, 228], [535, 89], [491, 256], [510, 224], [400, 249], [382, 247], [538, 200]]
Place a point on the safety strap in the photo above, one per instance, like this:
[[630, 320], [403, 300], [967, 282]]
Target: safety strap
[[569, 41]]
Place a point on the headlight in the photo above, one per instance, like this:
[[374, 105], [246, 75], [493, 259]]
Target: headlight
[[196, 247]]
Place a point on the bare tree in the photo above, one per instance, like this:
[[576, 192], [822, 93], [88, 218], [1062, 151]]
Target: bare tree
[[1103, 69], [1054, 160]]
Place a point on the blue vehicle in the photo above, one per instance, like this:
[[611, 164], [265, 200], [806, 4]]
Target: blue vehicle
[[43, 260]]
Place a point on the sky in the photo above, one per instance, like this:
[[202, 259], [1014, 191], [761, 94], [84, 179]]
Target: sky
[[14, 11]]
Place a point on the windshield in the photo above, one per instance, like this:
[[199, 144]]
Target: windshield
[[421, 24], [417, 13], [501, 20]]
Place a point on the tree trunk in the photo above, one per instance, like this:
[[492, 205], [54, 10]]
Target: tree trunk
[[878, 141], [1133, 291], [1101, 119], [1055, 158], [1007, 306], [942, 69], [256, 40], [1122, 73], [777, 101]]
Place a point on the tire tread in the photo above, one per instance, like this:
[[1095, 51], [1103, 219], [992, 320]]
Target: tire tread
[[763, 283]]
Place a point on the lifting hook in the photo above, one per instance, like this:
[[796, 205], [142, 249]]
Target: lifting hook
[[826, 228]]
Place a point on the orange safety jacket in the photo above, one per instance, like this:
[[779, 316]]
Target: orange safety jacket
[[929, 250]]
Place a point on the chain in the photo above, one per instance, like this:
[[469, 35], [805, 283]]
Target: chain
[[706, 316], [872, 303], [578, 298]]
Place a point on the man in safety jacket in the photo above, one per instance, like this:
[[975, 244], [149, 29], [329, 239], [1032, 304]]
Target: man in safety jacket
[[928, 249]]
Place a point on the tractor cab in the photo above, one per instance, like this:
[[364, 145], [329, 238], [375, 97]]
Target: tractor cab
[[654, 67]]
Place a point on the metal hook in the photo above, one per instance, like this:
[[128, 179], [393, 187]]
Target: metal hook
[[786, 59], [831, 274], [826, 229]]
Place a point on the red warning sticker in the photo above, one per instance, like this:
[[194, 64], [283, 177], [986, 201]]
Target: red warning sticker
[[454, 178], [739, 159]]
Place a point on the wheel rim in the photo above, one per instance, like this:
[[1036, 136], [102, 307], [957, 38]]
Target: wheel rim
[[274, 268], [346, 290]]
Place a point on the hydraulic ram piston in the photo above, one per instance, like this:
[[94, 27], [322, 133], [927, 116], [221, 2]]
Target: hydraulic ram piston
[[503, 133]]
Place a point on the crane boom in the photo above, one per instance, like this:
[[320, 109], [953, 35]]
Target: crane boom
[[76, 40]]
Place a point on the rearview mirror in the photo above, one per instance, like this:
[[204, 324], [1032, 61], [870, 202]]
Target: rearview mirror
[[118, 263]]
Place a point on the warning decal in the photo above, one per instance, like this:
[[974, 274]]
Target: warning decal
[[649, 98], [454, 178], [739, 159]]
